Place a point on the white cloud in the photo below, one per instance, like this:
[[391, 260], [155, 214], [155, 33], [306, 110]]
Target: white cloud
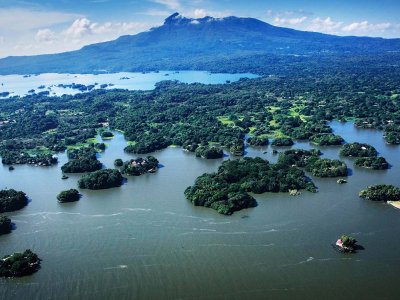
[[293, 21], [201, 13], [2, 40], [171, 4], [365, 27], [45, 35], [326, 25]]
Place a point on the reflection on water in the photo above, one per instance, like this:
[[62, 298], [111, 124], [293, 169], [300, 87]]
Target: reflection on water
[[145, 241]]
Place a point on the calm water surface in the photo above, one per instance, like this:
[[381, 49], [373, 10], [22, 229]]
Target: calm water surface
[[18, 85], [145, 241]]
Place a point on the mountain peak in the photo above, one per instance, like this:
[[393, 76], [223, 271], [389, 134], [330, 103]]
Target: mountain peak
[[178, 19]]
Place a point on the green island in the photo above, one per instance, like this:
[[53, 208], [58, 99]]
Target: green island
[[139, 166], [358, 150], [324, 167], [70, 195], [256, 141], [106, 135], [326, 139], [11, 200], [81, 160], [5, 225], [101, 179], [19, 264], [282, 142], [381, 192], [347, 244], [209, 152], [118, 162], [227, 190], [309, 159], [375, 163]]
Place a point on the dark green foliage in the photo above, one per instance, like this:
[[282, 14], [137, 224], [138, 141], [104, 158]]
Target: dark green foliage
[[358, 150], [82, 160], [226, 191], [237, 149], [282, 142], [71, 195], [148, 144], [140, 166], [118, 162], [11, 200], [19, 264], [102, 179], [190, 146], [5, 225], [257, 141], [209, 152], [381, 192], [376, 163], [326, 139], [298, 157], [392, 134], [107, 134], [323, 167], [17, 157]]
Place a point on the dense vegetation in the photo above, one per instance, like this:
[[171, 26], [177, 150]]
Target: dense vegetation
[[227, 190], [5, 225], [81, 160], [101, 179], [139, 166], [309, 159], [381, 192], [11, 200], [257, 141], [376, 163], [209, 152], [358, 150], [326, 167], [282, 142], [70, 195], [106, 135], [326, 139], [19, 264]]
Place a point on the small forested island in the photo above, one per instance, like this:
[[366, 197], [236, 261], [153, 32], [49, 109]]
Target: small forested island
[[323, 167], [227, 190], [11, 200], [19, 264], [101, 179], [281, 142], [106, 135], [82, 160], [5, 225], [118, 162], [346, 244], [309, 159], [256, 141], [209, 152], [358, 150], [376, 163], [70, 195], [392, 134], [326, 139], [298, 157], [381, 192], [140, 166]]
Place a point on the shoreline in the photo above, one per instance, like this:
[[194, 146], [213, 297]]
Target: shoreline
[[395, 204]]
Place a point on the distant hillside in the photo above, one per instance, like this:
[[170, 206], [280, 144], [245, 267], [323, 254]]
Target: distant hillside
[[215, 44]]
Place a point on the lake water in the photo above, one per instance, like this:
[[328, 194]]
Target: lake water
[[18, 85], [144, 240]]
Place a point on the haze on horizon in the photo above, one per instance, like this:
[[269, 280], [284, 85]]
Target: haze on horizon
[[30, 27]]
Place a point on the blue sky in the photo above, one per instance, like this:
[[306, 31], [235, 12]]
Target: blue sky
[[33, 27]]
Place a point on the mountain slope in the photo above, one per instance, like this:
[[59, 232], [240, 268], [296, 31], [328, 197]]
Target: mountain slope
[[183, 43]]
